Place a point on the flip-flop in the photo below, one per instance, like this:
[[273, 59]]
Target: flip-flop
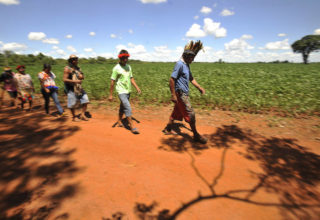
[[135, 131]]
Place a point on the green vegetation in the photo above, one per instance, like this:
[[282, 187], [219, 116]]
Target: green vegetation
[[258, 87]]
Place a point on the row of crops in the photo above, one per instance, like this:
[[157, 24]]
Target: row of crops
[[288, 88]]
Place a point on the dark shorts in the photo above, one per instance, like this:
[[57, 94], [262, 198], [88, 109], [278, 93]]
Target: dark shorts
[[13, 94], [183, 109]]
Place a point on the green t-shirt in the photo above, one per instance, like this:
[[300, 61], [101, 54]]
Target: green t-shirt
[[122, 75]]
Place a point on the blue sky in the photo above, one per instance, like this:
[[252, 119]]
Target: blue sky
[[157, 30]]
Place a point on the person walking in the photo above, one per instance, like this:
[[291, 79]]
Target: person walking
[[7, 77], [123, 78], [24, 85], [73, 77], [49, 88], [179, 87]]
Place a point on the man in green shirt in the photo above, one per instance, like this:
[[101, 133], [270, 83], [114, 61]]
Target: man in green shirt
[[123, 78]]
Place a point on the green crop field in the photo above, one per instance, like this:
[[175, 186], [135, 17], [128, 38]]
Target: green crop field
[[258, 87]]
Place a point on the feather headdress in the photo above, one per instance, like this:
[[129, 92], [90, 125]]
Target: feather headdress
[[194, 46]]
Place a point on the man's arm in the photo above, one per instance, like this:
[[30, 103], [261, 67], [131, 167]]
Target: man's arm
[[111, 90], [66, 75], [173, 90], [201, 90], [135, 85]]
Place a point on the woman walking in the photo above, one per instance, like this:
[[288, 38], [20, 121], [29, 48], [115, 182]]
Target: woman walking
[[49, 88]]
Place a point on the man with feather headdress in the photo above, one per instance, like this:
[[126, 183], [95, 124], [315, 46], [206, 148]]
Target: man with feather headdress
[[179, 87]]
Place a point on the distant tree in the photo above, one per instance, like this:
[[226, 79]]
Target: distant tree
[[101, 59], [306, 45], [40, 56]]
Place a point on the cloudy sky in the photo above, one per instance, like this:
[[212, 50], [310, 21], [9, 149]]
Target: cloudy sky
[[157, 30]]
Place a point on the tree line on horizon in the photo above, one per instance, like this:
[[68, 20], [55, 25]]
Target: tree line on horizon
[[305, 46]]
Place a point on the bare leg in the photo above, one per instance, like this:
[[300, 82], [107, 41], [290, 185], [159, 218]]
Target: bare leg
[[84, 109], [130, 122], [193, 128], [196, 136], [167, 129], [1, 97], [133, 130], [30, 104], [73, 112], [119, 122]]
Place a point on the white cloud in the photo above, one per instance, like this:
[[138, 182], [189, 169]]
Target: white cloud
[[61, 52], [36, 36], [69, 36], [210, 28], [205, 10], [130, 31], [113, 36], [239, 44], [195, 31], [278, 45], [213, 28], [13, 46], [282, 35], [246, 36], [152, 1], [51, 41], [72, 49], [226, 12], [138, 52], [55, 47], [10, 2], [106, 55], [88, 50], [92, 33], [196, 17], [317, 32]]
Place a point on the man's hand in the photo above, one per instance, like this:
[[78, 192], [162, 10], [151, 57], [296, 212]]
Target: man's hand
[[174, 98], [47, 90], [202, 91], [139, 91], [78, 81], [110, 98]]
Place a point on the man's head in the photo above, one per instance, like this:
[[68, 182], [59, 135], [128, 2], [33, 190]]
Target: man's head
[[21, 68], [188, 56], [73, 59], [7, 69], [123, 57]]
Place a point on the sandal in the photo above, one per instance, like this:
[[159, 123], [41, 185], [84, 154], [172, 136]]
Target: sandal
[[76, 119], [84, 118], [167, 130], [135, 131]]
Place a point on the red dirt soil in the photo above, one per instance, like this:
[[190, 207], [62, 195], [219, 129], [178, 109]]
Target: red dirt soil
[[253, 167]]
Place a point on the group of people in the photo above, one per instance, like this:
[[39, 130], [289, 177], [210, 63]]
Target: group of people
[[20, 85]]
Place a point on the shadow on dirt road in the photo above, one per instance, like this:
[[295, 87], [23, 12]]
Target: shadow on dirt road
[[31, 162], [289, 171]]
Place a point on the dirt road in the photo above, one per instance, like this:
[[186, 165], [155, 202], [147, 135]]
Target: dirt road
[[253, 167]]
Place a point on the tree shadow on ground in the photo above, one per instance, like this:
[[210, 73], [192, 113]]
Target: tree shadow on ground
[[289, 171], [31, 161]]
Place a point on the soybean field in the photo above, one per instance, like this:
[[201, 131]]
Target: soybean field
[[286, 88]]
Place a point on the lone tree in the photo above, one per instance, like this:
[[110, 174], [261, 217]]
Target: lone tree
[[307, 44]]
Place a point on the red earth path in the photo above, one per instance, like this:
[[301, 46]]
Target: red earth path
[[253, 167]]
